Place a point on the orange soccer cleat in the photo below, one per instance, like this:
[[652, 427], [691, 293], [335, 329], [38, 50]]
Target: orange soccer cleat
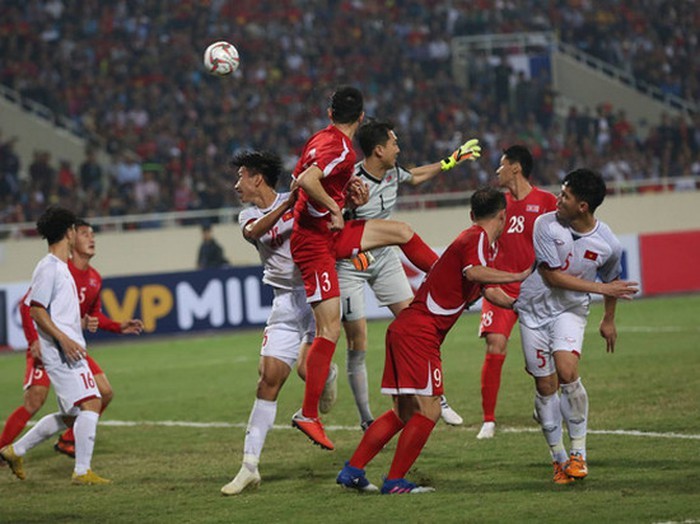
[[312, 428], [560, 476], [576, 467]]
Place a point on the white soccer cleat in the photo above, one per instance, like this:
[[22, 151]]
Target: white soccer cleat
[[449, 415], [244, 479], [488, 430], [330, 391]]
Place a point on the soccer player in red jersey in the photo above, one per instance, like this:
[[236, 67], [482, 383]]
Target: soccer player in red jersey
[[524, 204], [88, 283], [321, 235], [413, 368]]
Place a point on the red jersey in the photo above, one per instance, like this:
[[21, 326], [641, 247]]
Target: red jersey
[[89, 285], [516, 252], [332, 152], [446, 292]]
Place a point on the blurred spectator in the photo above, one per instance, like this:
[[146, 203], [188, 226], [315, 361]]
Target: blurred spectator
[[210, 254]]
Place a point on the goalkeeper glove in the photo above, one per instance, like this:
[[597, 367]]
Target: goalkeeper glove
[[470, 150]]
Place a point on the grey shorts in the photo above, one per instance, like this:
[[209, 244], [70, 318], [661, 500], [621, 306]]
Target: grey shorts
[[385, 276]]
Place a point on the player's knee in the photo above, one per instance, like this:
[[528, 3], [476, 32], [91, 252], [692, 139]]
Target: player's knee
[[567, 375], [547, 386], [107, 397]]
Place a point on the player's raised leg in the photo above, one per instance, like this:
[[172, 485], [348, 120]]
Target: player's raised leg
[[380, 232]]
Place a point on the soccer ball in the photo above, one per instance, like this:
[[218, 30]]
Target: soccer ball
[[221, 59]]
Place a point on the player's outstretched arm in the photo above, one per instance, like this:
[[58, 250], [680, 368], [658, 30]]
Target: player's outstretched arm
[[470, 150], [133, 326], [489, 275], [616, 288]]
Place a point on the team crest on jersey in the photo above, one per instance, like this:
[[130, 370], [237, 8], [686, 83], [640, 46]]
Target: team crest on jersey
[[92, 282], [532, 208], [288, 216], [590, 255], [388, 179]]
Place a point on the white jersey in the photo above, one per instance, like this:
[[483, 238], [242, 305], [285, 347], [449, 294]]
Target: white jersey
[[279, 270], [596, 253], [53, 287]]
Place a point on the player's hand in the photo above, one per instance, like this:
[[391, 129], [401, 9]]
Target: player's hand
[[609, 332], [89, 323], [620, 289], [357, 192], [71, 349], [35, 350], [292, 198], [337, 221], [133, 326], [470, 150]]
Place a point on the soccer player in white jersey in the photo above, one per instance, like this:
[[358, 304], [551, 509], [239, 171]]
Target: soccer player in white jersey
[[572, 247], [55, 308], [267, 224], [381, 268]]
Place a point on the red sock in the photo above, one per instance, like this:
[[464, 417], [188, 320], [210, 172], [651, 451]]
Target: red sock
[[419, 253], [14, 425], [490, 384], [411, 442], [375, 438], [318, 363]]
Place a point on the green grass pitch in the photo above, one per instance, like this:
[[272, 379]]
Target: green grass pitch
[[650, 385]]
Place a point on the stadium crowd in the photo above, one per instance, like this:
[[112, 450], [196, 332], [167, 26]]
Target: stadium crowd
[[129, 73]]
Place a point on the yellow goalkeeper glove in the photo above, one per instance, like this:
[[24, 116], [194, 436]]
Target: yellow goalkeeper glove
[[470, 150]]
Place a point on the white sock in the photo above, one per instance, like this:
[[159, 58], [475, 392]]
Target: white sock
[[261, 419], [574, 408], [549, 415], [42, 430], [357, 378], [84, 429]]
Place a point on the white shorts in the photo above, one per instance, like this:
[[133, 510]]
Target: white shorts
[[564, 333], [72, 381], [385, 276], [291, 323]]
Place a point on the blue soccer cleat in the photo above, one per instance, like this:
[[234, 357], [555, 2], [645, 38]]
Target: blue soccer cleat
[[354, 478]]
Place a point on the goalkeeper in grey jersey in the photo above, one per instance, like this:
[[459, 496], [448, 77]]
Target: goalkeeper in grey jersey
[[381, 268]]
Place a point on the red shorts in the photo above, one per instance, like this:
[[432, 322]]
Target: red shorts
[[35, 374], [315, 255], [411, 367], [497, 320]]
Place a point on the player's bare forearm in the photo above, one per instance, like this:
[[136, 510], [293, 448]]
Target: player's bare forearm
[[310, 181], [256, 230], [498, 297], [424, 173], [489, 275], [616, 288], [72, 349]]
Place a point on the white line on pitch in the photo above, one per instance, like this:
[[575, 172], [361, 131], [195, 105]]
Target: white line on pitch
[[241, 425]]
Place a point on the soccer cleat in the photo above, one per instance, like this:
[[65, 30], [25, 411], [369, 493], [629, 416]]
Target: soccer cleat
[[330, 391], [88, 479], [560, 476], [65, 446], [488, 430], [354, 478], [312, 428], [399, 486], [449, 415], [576, 467], [362, 260], [7, 454], [365, 424], [244, 479]]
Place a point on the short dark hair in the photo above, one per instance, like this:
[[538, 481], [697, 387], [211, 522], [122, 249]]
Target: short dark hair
[[486, 202], [373, 133], [81, 222], [587, 186], [520, 154], [54, 223], [268, 164], [346, 105]]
